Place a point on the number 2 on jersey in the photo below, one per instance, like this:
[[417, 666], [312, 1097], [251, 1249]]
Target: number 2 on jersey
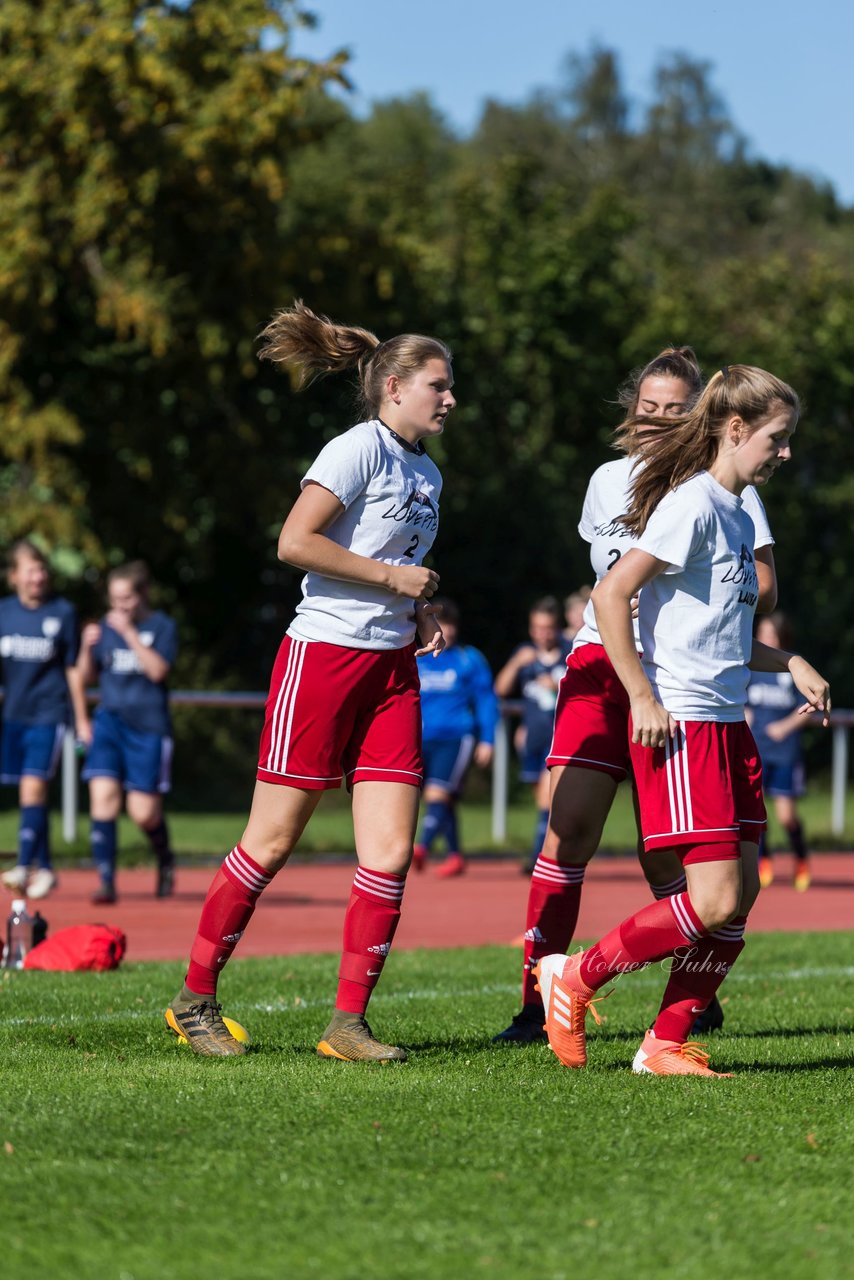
[[412, 548]]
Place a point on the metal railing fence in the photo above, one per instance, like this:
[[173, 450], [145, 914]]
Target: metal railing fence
[[842, 721]]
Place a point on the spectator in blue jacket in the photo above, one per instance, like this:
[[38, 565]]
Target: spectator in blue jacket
[[458, 712]]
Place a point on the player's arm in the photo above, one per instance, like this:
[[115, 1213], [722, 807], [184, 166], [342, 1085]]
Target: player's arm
[[77, 692], [303, 544], [766, 574], [86, 667], [505, 681], [484, 705], [612, 602], [807, 680]]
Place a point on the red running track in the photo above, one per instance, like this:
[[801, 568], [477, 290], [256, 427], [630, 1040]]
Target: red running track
[[303, 909]]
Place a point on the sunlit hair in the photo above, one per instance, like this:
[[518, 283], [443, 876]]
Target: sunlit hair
[[672, 362], [313, 345], [690, 443], [135, 572], [24, 547]]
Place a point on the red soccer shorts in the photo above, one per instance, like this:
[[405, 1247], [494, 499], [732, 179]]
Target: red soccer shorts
[[704, 787], [592, 715], [334, 711]]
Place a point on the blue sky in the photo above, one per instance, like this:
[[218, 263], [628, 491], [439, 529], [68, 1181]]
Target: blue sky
[[785, 68]]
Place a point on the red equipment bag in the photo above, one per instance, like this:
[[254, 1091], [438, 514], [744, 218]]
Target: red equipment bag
[[83, 946]]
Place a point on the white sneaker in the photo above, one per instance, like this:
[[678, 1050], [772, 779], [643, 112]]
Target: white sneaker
[[16, 878], [41, 883]]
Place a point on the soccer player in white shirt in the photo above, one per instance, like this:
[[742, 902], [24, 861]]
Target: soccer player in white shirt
[[589, 753], [697, 770], [344, 700]]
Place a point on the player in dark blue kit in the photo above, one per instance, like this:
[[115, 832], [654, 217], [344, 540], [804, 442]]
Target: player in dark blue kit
[[458, 715], [130, 652], [536, 670], [772, 708], [38, 645]]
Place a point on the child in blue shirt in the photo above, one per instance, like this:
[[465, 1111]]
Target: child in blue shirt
[[38, 647], [458, 715], [130, 653]]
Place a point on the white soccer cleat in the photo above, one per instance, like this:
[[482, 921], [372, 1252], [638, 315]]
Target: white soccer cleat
[[16, 878], [41, 883]]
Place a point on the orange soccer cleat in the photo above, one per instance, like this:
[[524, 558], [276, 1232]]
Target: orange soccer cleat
[[672, 1058], [566, 999], [802, 879], [766, 872]]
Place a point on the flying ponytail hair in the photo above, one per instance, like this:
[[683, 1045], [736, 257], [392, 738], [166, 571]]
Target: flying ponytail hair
[[313, 345], [672, 362], [681, 447]]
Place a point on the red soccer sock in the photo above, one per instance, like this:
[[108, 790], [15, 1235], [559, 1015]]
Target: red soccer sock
[[697, 973], [369, 925], [553, 902], [650, 934], [227, 911]]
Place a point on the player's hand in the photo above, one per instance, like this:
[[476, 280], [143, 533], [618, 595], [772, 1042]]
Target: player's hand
[[83, 732], [526, 655], [483, 754], [813, 686], [429, 631], [90, 635], [777, 731], [413, 581], [651, 724], [120, 623], [634, 605]]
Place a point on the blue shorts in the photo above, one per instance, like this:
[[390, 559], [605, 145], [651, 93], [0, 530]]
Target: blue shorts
[[30, 750], [784, 779], [532, 758], [139, 761], [446, 762]]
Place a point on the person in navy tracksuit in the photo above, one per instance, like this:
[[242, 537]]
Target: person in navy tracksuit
[[38, 647], [130, 652], [772, 710], [535, 670], [459, 711]]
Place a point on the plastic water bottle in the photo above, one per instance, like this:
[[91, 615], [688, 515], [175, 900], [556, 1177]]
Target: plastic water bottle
[[19, 935]]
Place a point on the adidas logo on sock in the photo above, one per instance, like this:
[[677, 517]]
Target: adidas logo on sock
[[534, 935], [232, 937], [381, 950]]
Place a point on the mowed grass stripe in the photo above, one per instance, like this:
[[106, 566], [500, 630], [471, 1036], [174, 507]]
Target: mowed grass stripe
[[124, 1155]]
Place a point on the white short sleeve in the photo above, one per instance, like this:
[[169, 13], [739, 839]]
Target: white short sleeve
[[755, 509], [671, 534], [344, 467]]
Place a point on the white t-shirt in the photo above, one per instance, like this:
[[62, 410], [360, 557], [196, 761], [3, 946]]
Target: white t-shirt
[[391, 496], [696, 618], [607, 499]]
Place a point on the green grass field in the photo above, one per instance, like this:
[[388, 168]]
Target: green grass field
[[212, 834], [124, 1157]]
